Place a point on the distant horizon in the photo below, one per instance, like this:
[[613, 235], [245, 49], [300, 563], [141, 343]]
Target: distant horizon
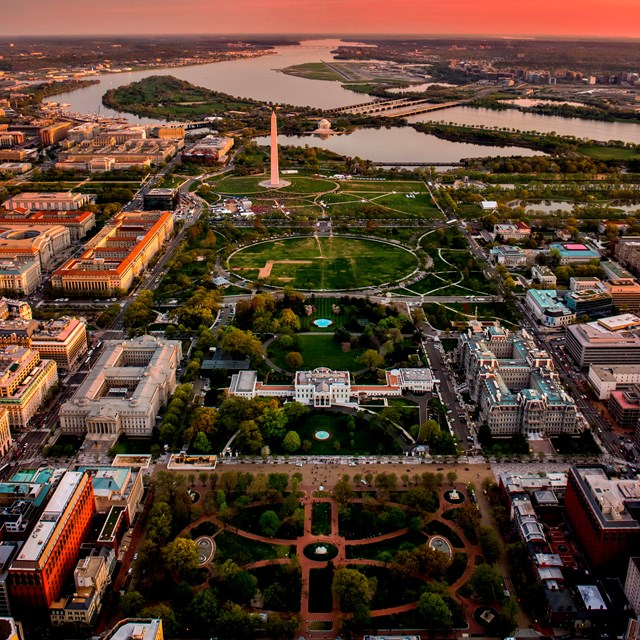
[[345, 37], [564, 19]]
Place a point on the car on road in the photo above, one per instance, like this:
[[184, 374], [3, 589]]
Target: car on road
[[135, 556]]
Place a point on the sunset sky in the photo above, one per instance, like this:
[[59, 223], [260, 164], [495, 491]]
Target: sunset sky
[[604, 18]]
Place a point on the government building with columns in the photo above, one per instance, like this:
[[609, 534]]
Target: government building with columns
[[125, 390]]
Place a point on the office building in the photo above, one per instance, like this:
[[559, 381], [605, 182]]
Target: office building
[[15, 168], [136, 629], [625, 293], [14, 309], [63, 340], [117, 255], [518, 231], [632, 584], [46, 560], [8, 551], [602, 512], [514, 383], [54, 133], [116, 487], [91, 577], [25, 380], [573, 253], [118, 150], [169, 132], [607, 378], [624, 406], [548, 308], [44, 244], [21, 276], [82, 132], [612, 340], [125, 390], [627, 252], [208, 151], [47, 201], [79, 223], [613, 271], [544, 276], [5, 432], [589, 302], [510, 257], [161, 199], [583, 284]]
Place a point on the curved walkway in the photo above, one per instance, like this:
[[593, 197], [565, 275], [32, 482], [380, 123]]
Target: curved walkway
[[341, 543]]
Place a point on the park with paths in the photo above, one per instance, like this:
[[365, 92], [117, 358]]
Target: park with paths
[[366, 528]]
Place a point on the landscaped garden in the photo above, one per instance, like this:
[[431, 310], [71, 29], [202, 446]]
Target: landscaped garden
[[323, 263], [380, 565]]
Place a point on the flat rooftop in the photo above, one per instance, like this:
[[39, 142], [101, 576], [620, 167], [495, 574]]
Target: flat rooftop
[[46, 525]]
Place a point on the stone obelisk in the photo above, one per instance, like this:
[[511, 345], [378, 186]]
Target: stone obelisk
[[275, 172], [274, 182]]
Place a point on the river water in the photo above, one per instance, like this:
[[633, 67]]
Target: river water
[[260, 79]]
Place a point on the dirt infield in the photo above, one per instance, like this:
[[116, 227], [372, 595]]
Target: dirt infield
[[265, 271]]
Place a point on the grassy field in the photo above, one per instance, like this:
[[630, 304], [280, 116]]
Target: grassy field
[[325, 263], [320, 350], [313, 71], [248, 185], [608, 153]]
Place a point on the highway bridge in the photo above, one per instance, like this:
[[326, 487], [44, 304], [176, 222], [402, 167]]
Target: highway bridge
[[396, 107]]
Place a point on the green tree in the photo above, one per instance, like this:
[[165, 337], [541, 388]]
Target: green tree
[[343, 492], [490, 543], [227, 570], [273, 422], [352, 588], [165, 613], [291, 442], [242, 344], [204, 609], [452, 476], [181, 555], [289, 320], [295, 411], [242, 587], [201, 443], [434, 611], [131, 603], [371, 359], [486, 583], [294, 360], [429, 432], [269, 523], [282, 625]]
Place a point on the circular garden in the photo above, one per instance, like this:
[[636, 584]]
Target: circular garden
[[324, 263]]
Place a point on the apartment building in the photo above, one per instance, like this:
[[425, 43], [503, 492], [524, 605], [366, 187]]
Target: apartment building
[[25, 380], [514, 383], [125, 390], [117, 255], [46, 560], [63, 340]]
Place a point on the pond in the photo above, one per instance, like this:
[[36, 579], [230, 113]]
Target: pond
[[321, 435], [323, 323]]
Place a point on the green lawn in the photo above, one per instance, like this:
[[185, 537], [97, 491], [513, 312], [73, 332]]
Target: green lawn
[[383, 186], [366, 441], [326, 263], [608, 153], [320, 350], [324, 309], [321, 519], [249, 185]]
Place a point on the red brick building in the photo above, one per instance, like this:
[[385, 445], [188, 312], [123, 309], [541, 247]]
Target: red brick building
[[49, 555], [603, 513]]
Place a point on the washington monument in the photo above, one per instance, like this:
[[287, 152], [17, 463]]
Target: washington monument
[[274, 182]]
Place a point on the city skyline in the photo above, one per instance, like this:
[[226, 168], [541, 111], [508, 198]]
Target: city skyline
[[573, 18]]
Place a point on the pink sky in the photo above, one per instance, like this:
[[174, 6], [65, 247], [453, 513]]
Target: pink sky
[[604, 18]]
